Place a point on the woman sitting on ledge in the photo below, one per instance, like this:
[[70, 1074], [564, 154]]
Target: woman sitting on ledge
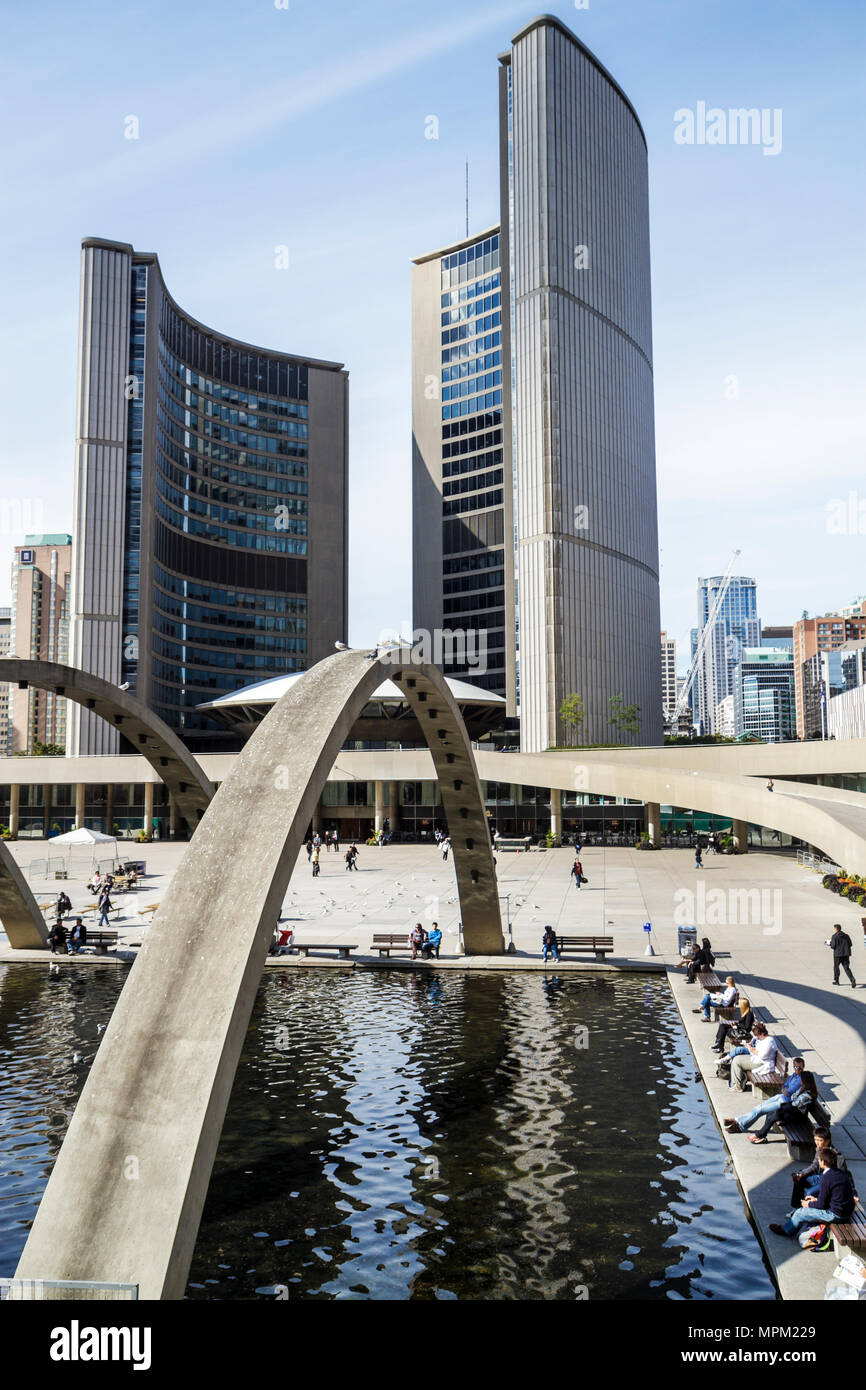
[[770, 1108], [739, 1030]]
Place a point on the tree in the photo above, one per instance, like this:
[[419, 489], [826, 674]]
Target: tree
[[625, 718], [43, 750], [571, 713]]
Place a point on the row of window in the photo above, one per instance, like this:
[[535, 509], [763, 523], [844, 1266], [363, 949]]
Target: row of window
[[474, 291], [494, 580], [282, 490], [475, 384], [211, 459], [186, 655], [476, 480], [469, 254], [466, 564], [465, 313], [265, 520], [280, 544], [486, 402], [483, 422], [248, 601], [468, 446], [259, 443], [464, 352], [471, 330], [472, 464], [188, 404], [282, 639], [472, 367]]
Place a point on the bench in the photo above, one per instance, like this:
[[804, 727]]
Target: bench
[[101, 940], [851, 1233], [513, 846], [599, 945], [708, 979], [305, 947], [150, 907], [386, 942], [800, 1138]]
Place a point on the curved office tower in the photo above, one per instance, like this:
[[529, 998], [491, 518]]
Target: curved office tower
[[575, 221], [209, 536]]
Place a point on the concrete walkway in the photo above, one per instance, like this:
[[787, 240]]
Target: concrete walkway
[[767, 920]]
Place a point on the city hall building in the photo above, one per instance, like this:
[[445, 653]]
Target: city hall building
[[210, 504]]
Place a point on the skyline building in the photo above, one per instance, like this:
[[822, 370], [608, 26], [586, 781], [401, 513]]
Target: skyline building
[[5, 692], [812, 636], [210, 503], [577, 598], [736, 626], [670, 685], [763, 694], [39, 630]]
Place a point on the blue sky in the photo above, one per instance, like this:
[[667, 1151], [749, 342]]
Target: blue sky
[[305, 126]]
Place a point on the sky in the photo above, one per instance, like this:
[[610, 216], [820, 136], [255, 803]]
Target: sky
[[303, 123]]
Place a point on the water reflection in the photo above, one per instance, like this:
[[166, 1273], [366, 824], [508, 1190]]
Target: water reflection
[[477, 1135]]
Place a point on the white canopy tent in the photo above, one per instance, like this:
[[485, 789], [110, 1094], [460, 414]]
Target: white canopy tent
[[83, 836], [88, 847]]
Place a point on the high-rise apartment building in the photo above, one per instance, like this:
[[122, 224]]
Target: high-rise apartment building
[[39, 631], [814, 635], [577, 597], [669, 673], [210, 522], [736, 626], [764, 694]]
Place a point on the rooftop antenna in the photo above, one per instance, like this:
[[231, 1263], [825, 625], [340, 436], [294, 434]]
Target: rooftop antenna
[[467, 197]]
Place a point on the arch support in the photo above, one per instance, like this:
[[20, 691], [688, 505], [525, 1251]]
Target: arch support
[[154, 740], [161, 1080], [22, 921]]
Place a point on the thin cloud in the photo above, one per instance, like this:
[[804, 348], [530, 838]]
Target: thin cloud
[[212, 134]]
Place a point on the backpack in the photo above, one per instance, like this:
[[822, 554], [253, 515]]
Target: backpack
[[816, 1238]]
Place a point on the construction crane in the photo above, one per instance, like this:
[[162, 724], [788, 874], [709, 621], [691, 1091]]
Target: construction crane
[[703, 640]]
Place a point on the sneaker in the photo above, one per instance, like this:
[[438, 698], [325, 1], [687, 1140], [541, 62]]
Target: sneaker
[[777, 1229]]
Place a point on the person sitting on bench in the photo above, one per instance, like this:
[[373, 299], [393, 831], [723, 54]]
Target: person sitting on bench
[[834, 1200], [762, 1059], [417, 937], [95, 883], [57, 939], [433, 942], [727, 1000], [702, 959], [548, 944], [769, 1108], [78, 939], [807, 1182], [738, 1029], [131, 877], [64, 905]]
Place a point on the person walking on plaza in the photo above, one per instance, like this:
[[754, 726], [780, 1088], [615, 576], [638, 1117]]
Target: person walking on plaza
[[699, 863], [834, 1200], [308, 846], [577, 873], [337, 841], [762, 1059], [316, 866], [840, 945], [446, 845], [105, 907]]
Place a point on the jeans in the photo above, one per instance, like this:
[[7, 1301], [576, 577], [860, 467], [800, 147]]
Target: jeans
[[767, 1107], [547, 951], [807, 1216], [103, 918], [705, 1005]]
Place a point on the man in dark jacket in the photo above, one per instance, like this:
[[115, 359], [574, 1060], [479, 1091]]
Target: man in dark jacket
[[840, 945], [834, 1200], [807, 1182]]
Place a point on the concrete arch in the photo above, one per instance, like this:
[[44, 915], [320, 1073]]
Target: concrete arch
[[832, 820], [160, 1083], [22, 921], [154, 740]]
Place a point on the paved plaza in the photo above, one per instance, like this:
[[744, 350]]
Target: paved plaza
[[767, 919]]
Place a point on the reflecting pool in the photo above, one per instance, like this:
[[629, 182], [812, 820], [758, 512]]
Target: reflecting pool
[[476, 1135]]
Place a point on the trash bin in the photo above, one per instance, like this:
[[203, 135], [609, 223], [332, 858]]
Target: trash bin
[[687, 937]]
